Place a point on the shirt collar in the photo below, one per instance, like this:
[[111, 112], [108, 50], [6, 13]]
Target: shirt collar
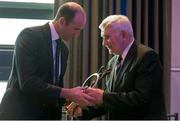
[[126, 51], [54, 34]]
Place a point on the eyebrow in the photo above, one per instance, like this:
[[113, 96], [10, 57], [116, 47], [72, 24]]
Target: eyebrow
[[77, 28]]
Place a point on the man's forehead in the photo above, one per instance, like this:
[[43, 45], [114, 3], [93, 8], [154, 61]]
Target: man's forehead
[[78, 23]]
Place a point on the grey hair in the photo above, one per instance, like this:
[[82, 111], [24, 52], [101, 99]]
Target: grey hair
[[117, 22]]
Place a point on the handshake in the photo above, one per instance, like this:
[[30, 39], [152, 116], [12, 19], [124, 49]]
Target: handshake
[[87, 95], [83, 97]]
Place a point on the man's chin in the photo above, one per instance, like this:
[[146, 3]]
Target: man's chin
[[110, 52]]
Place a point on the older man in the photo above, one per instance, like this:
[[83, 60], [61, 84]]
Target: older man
[[133, 89]]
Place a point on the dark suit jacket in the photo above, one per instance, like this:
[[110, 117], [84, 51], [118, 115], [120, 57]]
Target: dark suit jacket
[[30, 93], [136, 92]]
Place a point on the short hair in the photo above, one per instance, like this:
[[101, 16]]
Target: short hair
[[67, 11], [117, 22]]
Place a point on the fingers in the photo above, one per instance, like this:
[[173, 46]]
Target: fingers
[[87, 100], [71, 106], [86, 96], [75, 111], [96, 93], [91, 91], [83, 99], [82, 88]]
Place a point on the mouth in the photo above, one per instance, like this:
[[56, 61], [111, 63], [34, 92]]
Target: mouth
[[108, 47]]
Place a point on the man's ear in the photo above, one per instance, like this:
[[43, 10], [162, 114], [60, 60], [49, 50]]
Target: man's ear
[[123, 34], [62, 21]]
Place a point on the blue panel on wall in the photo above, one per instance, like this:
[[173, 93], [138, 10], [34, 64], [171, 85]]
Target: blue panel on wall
[[6, 56], [123, 7]]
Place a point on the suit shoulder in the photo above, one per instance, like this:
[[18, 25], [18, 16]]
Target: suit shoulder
[[146, 52], [34, 32], [143, 50], [32, 36], [36, 29]]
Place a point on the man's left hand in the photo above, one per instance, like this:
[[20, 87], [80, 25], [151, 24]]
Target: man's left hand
[[96, 93]]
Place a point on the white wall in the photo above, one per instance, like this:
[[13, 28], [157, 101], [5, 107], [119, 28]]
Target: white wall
[[175, 58]]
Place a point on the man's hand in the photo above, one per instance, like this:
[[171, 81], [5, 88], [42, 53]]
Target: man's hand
[[75, 111], [77, 95], [96, 93]]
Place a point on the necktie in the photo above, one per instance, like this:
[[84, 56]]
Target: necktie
[[57, 61], [117, 68], [119, 62]]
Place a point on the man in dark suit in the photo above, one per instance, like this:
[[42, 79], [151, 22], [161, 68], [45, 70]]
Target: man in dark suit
[[133, 89], [34, 89]]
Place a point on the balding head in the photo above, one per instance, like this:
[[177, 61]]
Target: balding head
[[68, 11], [69, 21]]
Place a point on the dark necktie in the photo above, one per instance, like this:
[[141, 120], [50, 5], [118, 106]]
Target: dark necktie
[[119, 62], [58, 43]]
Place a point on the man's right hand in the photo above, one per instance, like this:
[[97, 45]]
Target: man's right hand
[[78, 96]]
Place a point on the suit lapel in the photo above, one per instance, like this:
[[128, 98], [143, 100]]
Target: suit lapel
[[125, 67], [64, 57], [47, 39]]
